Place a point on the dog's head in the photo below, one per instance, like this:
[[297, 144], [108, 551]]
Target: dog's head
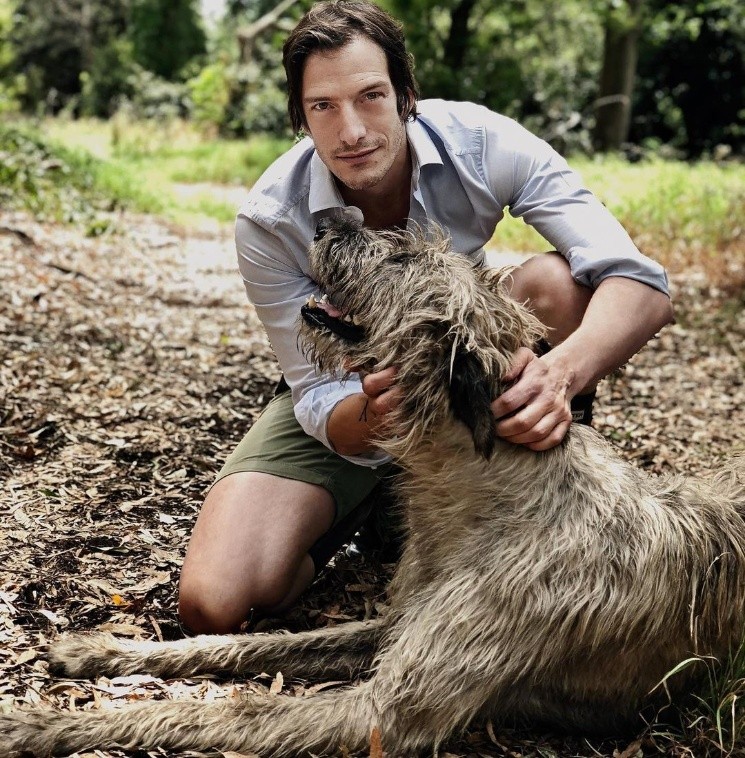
[[407, 300]]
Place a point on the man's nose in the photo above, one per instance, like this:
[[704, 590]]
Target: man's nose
[[352, 126]]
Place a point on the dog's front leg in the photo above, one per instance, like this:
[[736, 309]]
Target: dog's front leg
[[456, 652], [340, 652], [280, 726]]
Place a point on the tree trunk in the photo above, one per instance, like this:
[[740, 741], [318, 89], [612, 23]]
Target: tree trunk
[[613, 106], [458, 38]]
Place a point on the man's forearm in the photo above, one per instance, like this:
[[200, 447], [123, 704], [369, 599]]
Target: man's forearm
[[622, 316]]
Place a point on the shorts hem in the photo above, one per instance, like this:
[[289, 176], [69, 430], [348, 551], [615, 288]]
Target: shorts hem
[[284, 471]]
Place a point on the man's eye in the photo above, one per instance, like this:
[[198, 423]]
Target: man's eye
[[373, 95], [320, 106]]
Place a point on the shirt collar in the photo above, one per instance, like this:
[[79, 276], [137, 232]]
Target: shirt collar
[[423, 151], [324, 194]]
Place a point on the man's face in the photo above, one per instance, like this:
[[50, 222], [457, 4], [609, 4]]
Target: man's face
[[350, 112]]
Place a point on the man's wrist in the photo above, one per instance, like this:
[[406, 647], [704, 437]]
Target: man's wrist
[[578, 375], [352, 425]]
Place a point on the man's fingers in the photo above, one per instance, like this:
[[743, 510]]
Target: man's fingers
[[520, 360], [553, 439], [378, 382], [522, 392], [385, 402], [530, 424], [548, 432]]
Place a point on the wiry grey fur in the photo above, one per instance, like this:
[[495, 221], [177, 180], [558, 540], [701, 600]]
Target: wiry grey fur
[[559, 586]]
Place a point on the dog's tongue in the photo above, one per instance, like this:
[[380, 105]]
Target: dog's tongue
[[331, 310], [326, 306]]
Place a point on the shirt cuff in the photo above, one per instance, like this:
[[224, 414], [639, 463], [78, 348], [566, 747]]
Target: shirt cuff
[[586, 269], [314, 409]]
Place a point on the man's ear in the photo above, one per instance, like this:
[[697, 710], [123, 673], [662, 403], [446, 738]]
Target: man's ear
[[470, 399], [407, 104]]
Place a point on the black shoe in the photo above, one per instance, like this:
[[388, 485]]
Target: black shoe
[[582, 408]]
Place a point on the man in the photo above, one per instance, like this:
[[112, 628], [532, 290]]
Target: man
[[375, 154]]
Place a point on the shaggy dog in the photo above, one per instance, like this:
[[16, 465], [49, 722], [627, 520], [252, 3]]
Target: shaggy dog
[[559, 586]]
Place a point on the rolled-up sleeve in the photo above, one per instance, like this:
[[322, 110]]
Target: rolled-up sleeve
[[547, 194], [277, 287]]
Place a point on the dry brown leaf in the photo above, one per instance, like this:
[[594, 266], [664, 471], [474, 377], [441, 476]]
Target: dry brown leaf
[[634, 750], [26, 656], [322, 686], [376, 743], [277, 683], [123, 630]]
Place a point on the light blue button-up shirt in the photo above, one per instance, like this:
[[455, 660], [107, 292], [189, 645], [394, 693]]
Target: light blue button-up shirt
[[469, 164]]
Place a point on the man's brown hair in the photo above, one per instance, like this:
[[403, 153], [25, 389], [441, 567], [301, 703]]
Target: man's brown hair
[[333, 24]]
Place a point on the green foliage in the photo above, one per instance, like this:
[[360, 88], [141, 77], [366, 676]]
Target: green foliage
[[109, 79], [52, 183], [152, 97], [12, 85], [257, 99], [85, 54], [167, 35], [539, 62], [54, 41], [152, 166], [536, 61], [210, 94]]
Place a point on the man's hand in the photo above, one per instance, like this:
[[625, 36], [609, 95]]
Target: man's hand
[[382, 393], [535, 410]]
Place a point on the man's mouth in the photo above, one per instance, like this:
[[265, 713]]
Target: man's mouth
[[321, 314], [360, 155]]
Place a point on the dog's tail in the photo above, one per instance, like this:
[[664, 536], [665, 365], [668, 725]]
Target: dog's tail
[[342, 652]]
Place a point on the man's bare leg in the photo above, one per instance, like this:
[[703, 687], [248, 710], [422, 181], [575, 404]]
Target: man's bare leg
[[545, 283], [249, 549]]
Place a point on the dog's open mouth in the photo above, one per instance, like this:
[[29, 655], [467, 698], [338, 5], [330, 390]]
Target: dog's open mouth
[[321, 314]]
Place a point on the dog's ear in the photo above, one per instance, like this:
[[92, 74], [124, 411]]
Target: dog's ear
[[470, 399]]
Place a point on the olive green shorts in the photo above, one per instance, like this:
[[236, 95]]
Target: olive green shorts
[[276, 444]]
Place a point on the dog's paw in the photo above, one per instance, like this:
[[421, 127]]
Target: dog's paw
[[85, 656], [23, 734]]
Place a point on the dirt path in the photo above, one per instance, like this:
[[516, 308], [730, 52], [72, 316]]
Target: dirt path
[[129, 367]]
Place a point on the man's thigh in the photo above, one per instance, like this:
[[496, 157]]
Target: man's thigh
[[281, 505], [277, 445]]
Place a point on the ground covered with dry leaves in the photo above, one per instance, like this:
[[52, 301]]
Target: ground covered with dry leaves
[[130, 365]]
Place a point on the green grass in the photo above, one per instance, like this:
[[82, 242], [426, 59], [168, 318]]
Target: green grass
[[712, 722], [143, 164], [680, 213]]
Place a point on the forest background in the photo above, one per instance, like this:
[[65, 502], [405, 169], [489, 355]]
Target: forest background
[[108, 104]]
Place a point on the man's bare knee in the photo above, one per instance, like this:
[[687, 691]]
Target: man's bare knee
[[546, 284], [207, 606], [249, 549], [202, 616]]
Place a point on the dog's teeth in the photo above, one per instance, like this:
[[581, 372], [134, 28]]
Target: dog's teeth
[[348, 318], [325, 299], [355, 320], [312, 302]]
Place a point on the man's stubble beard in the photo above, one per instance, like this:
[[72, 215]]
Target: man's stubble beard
[[368, 182]]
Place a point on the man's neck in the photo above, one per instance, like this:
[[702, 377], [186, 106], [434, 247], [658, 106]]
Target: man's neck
[[387, 204]]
